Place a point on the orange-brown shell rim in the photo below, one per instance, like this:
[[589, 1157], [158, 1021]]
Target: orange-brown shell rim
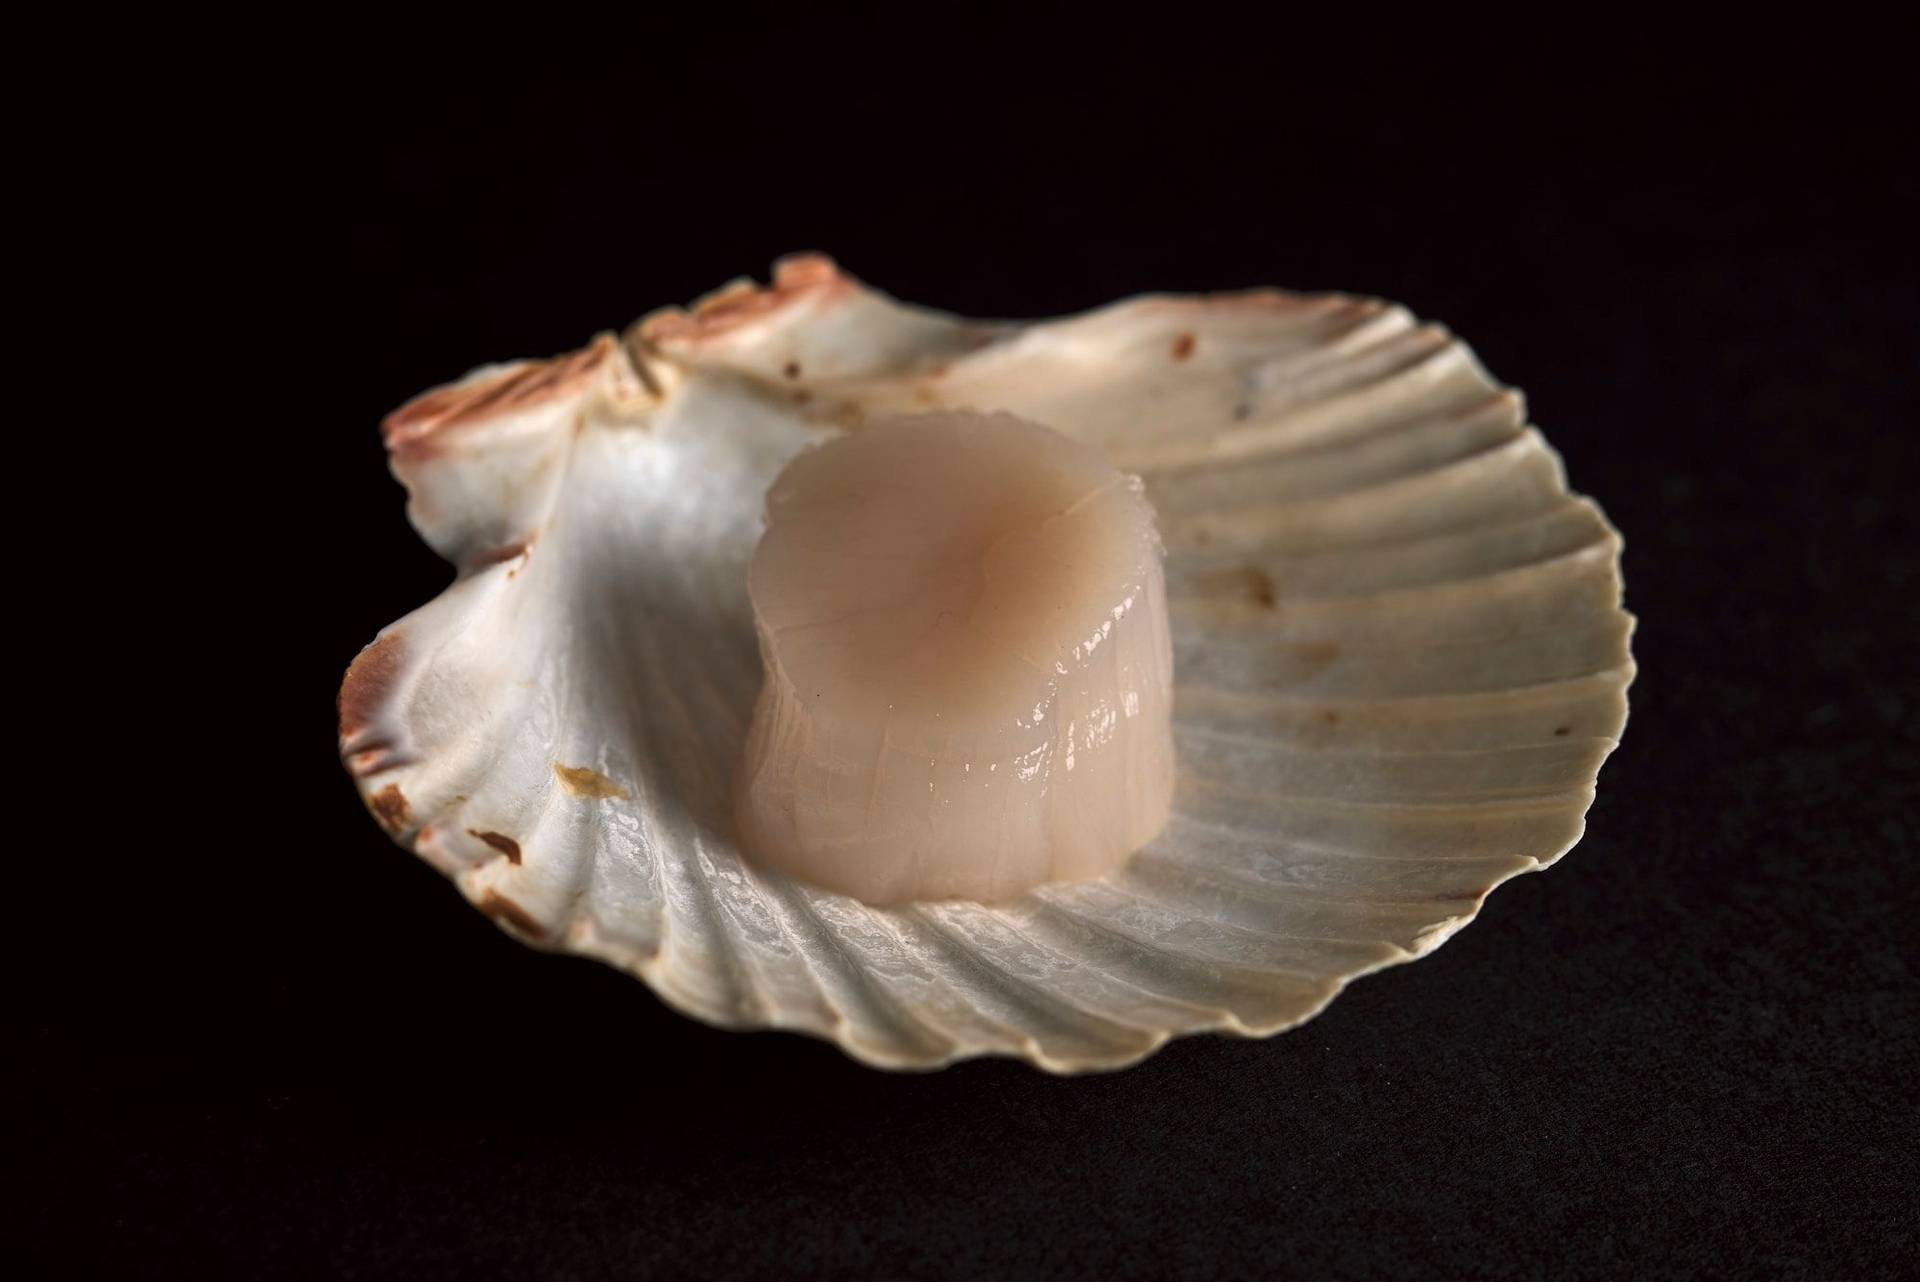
[[414, 430], [796, 278]]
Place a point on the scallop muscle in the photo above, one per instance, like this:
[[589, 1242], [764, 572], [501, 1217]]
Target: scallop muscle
[[968, 671]]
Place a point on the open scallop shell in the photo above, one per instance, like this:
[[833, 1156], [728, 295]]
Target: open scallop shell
[[1401, 658]]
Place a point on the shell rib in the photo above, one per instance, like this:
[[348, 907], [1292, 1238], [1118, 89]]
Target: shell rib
[[1399, 652]]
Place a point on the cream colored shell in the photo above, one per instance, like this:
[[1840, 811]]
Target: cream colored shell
[[1400, 659]]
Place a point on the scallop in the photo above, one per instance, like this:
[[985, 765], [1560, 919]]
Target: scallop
[[1399, 659], [963, 623]]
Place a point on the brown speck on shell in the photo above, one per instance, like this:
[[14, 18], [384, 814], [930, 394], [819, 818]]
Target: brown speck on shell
[[500, 908], [1562, 730], [389, 806], [583, 781], [1316, 656], [1260, 587], [792, 369], [1247, 582], [1183, 347], [369, 680], [500, 842]]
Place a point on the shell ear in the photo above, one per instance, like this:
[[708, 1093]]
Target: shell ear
[[481, 457], [814, 323]]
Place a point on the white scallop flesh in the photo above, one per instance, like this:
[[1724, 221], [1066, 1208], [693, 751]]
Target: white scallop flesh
[[968, 679]]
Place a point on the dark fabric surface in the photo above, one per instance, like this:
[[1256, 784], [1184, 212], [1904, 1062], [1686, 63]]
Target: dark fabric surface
[[1687, 1050]]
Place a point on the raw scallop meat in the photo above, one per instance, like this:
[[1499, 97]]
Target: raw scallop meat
[[964, 627]]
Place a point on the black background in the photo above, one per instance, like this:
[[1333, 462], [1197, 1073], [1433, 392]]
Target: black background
[[1689, 1049]]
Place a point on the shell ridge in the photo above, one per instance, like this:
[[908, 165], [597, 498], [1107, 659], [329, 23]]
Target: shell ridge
[[1114, 929], [1023, 1003], [918, 1041]]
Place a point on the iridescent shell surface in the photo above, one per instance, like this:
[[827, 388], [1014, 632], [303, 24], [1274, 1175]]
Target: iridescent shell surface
[[1400, 660]]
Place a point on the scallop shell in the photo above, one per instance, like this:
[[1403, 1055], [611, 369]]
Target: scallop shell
[[1401, 659]]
